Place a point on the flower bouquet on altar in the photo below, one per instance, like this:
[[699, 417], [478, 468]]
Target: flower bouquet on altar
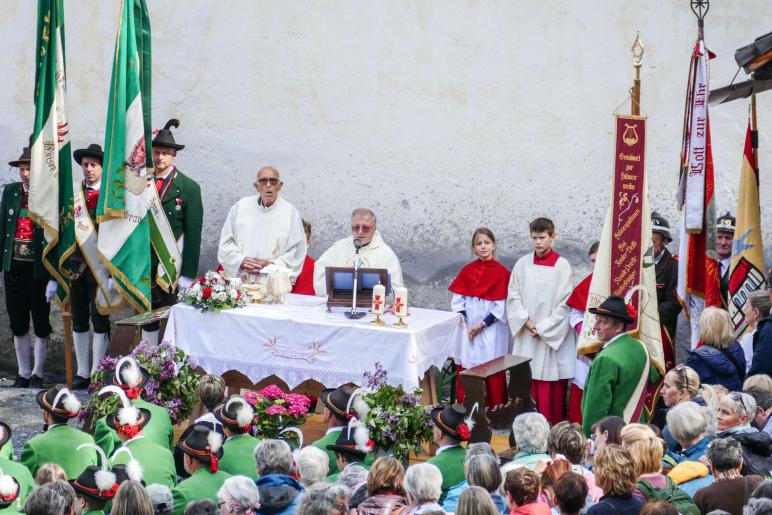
[[276, 410], [171, 383], [213, 291], [395, 419]]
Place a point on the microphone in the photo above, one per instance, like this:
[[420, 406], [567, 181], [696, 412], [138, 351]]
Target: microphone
[[357, 244], [354, 313]]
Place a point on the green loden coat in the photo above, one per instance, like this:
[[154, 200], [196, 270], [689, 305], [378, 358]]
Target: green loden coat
[[57, 445], [26, 483], [451, 464], [158, 430], [157, 461], [201, 485], [9, 214], [238, 457], [323, 442], [7, 451]]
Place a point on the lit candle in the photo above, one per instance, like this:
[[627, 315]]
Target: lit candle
[[379, 296], [400, 301]]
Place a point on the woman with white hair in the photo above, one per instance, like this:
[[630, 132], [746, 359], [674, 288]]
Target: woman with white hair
[[324, 499], [423, 484], [531, 432], [239, 494], [735, 413], [689, 423], [313, 465]]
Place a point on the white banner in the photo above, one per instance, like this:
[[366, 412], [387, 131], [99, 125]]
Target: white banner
[[697, 153]]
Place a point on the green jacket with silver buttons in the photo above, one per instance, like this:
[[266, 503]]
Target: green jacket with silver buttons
[[9, 214]]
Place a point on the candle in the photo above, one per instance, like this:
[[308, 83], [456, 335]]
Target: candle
[[400, 301], [379, 297]]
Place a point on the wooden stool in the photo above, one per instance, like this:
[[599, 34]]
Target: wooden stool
[[518, 394], [129, 330]]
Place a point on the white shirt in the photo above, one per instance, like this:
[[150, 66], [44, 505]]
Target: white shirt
[[333, 429], [606, 344], [443, 448]]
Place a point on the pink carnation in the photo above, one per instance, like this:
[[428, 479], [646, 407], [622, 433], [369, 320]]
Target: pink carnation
[[272, 392], [297, 399], [251, 396], [298, 410], [276, 409]]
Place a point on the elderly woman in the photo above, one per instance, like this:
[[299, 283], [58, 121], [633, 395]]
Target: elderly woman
[[688, 423], [313, 465], [385, 488], [354, 478], [239, 495], [758, 382], [476, 501], [735, 413], [530, 431], [481, 468], [324, 499], [567, 439], [720, 359], [756, 308], [731, 490], [615, 474], [423, 484]]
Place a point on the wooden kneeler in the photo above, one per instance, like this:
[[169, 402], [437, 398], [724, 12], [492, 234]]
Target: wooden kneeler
[[128, 331], [518, 394]]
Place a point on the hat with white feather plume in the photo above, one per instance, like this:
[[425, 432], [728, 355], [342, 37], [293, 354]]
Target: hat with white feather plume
[[59, 401], [236, 414], [204, 445], [354, 440], [9, 489], [97, 482], [127, 419], [130, 376], [132, 469]]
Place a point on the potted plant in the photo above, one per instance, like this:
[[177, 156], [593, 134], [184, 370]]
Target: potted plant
[[276, 410]]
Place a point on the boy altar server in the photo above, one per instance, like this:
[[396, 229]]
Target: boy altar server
[[538, 318]]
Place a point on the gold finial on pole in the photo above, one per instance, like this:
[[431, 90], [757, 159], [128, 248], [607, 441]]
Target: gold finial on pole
[[637, 51]]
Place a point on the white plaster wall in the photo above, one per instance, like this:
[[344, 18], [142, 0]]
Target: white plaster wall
[[439, 115]]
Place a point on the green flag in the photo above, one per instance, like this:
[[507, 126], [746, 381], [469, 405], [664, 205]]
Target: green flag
[[122, 212], [50, 196]]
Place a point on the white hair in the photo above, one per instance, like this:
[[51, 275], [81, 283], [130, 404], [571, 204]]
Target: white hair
[[531, 432], [363, 211], [321, 498], [423, 482], [687, 421], [313, 465], [352, 477], [740, 404], [240, 494], [273, 457]]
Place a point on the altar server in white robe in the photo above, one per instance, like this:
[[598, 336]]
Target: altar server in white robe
[[374, 253], [540, 284], [262, 229]]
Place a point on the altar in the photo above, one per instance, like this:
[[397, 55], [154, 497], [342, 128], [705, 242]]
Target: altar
[[300, 340]]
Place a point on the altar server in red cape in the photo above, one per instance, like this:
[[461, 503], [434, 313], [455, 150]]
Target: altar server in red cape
[[578, 304], [480, 294]]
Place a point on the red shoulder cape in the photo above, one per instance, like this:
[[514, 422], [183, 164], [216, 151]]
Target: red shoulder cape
[[578, 298], [488, 280], [304, 285]]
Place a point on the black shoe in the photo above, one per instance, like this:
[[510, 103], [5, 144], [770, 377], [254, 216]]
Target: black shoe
[[20, 382], [35, 381], [80, 383]]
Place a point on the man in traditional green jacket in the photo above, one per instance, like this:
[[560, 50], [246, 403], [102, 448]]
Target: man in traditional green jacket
[[616, 383], [203, 450], [238, 459], [17, 471], [93, 492], [182, 206], [60, 440], [450, 429], [335, 401], [131, 378], [347, 453]]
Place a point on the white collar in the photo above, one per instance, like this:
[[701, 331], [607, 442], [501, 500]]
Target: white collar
[[172, 168], [333, 429], [612, 340], [92, 188], [268, 208], [444, 448]]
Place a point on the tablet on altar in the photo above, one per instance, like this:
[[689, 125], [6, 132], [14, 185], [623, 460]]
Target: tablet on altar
[[340, 285]]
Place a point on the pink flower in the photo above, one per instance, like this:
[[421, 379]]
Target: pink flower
[[251, 397], [297, 399], [298, 410], [276, 410], [272, 392]]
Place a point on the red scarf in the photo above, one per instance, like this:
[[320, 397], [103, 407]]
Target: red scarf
[[578, 298], [488, 280]]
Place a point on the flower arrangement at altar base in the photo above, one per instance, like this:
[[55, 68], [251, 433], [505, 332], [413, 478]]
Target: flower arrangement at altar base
[[395, 419], [276, 410], [213, 291], [171, 383]]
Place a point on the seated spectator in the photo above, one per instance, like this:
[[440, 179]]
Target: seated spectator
[[211, 392], [688, 423], [735, 412], [423, 485], [65, 489], [131, 499], [679, 385], [48, 473], [570, 493], [551, 471], [531, 431], [756, 308], [615, 474], [385, 489], [44, 501], [324, 499], [690, 476], [239, 494], [312, 464], [758, 507], [522, 487], [762, 421], [659, 508], [568, 440], [160, 498], [720, 358], [759, 382], [604, 432], [355, 479], [476, 501], [279, 493], [478, 471], [731, 490], [202, 507], [763, 489]]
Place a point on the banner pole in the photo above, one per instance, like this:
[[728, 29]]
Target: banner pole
[[635, 92], [754, 133], [67, 321]]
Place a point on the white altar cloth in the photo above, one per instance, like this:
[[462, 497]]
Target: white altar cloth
[[297, 342]]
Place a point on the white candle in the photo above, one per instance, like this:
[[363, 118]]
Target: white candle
[[400, 301], [379, 298]]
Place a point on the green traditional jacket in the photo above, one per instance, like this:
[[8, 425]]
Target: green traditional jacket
[[238, 457], [10, 206], [157, 461], [451, 464], [334, 477], [322, 443], [185, 211], [57, 445], [201, 485], [613, 376], [94, 512], [26, 483], [159, 430], [7, 451]]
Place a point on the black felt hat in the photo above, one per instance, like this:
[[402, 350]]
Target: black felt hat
[[613, 307], [25, 157], [165, 138], [236, 414], [346, 444], [726, 223], [9, 490], [660, 226], [59, 401], [122, 377], [94, 150], [336, 400], [451, 420], [5, 434], [204, 445], [97, 483], [112, 420]]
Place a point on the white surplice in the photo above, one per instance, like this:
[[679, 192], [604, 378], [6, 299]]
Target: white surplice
[[375, 254], [492, 342], [274, 233], [540, 292]]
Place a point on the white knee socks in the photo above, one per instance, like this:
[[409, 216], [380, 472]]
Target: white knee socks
[[100, 343], [80, 342], [40, 348], [22, 344]]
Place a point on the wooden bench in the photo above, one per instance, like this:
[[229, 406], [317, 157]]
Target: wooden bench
[[128, 331], [518, 394]]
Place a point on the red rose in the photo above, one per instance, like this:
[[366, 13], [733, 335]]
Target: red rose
[[370, 444], [463, 432], [238, 294], [206, 292], [351, 414], [202, 280], [631, 310]]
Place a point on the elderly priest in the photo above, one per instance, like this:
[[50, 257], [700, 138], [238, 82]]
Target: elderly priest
[[263, 229], [373, 253]]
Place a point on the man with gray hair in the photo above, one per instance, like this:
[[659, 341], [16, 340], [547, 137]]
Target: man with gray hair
[[325, 499], [731, 489], [373, 253], [280, 494]]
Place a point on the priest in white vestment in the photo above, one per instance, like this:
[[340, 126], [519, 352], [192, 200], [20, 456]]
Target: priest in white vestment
[[374, 253], [261, 230]]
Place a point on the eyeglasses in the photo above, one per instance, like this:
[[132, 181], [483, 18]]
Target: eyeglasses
[[273, 181], [343, 508], [736, 396], [363, 228]]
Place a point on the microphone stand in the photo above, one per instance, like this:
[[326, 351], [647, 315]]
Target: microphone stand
[[354, 314]]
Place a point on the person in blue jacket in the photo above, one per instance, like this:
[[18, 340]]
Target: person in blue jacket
[[720, 358]]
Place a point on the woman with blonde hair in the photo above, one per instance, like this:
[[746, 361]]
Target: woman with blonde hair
[[49, 473], [758, 382], [681, 384], [615, 474], [476, 501], [720, 358], [131, 499]]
